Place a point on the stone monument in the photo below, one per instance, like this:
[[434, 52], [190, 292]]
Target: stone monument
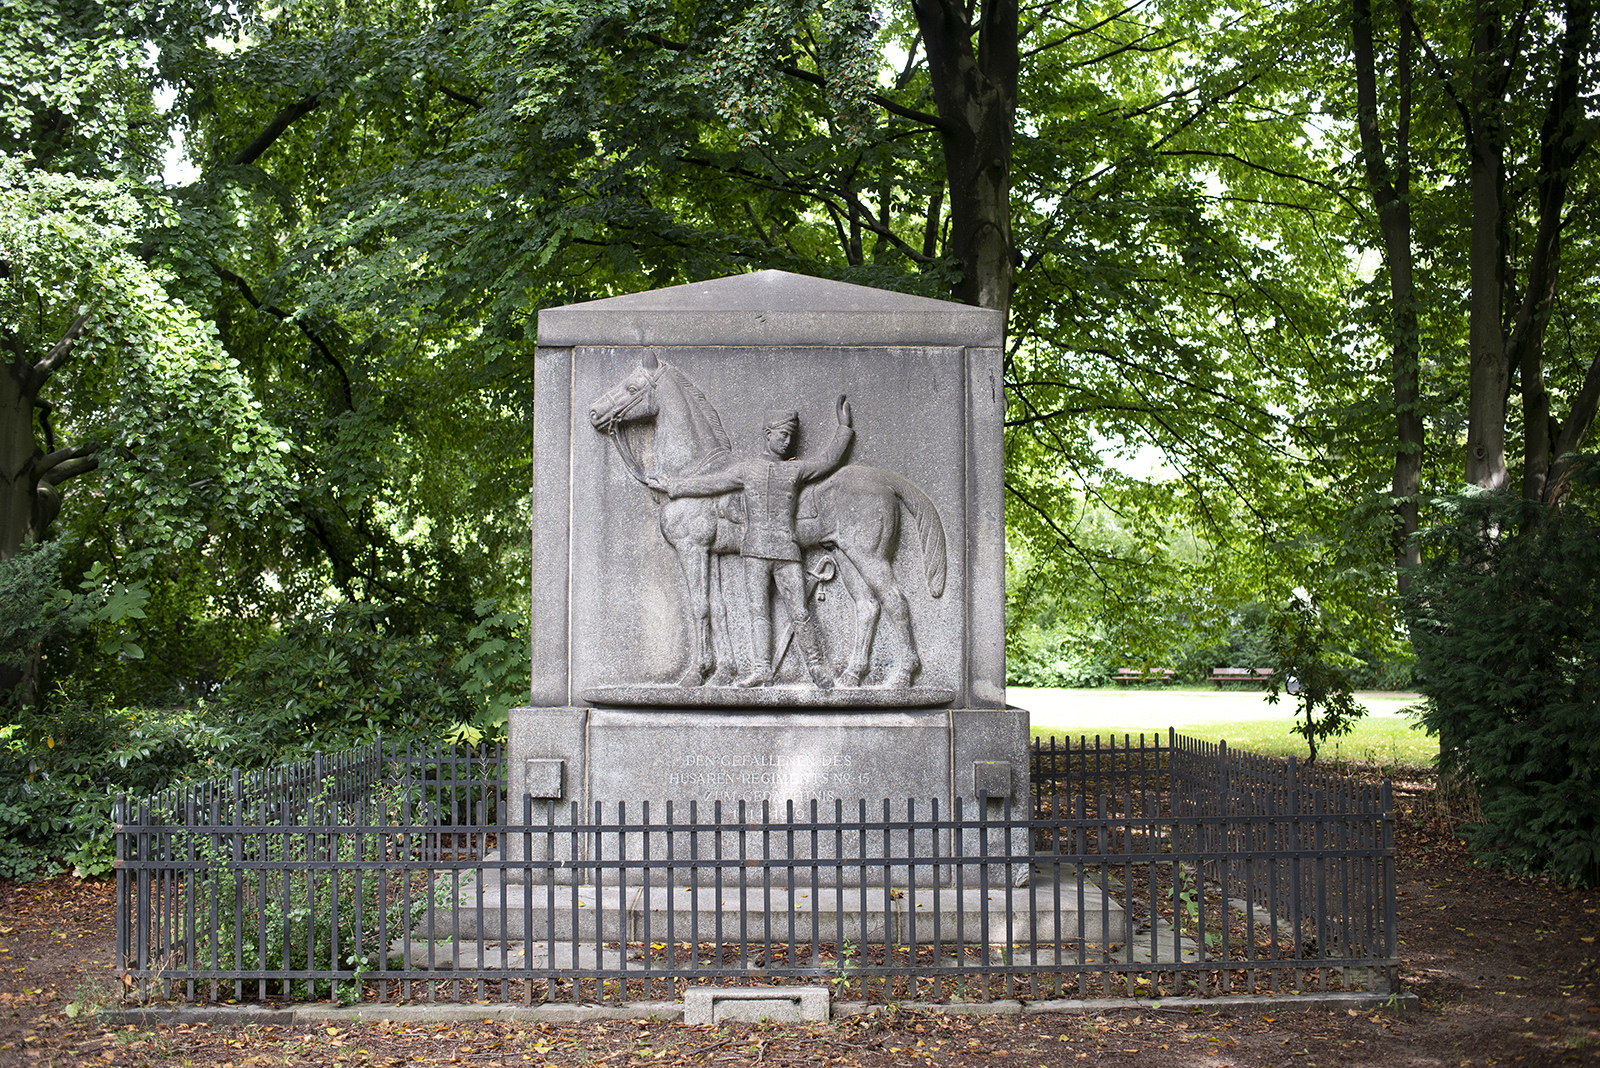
[[768, 554]]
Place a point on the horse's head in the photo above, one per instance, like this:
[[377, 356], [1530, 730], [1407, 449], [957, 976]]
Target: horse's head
[[632, 399]]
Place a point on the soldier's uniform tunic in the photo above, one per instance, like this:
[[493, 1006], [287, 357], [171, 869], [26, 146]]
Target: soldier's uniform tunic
[[771, 490]]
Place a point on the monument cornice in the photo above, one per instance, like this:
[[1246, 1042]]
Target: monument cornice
[[770, 308]]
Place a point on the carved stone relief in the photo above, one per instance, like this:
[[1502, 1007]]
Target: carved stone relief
[[761, 536]]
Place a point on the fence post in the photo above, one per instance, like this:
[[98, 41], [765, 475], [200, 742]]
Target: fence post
[[124, 917], [1391, 924]]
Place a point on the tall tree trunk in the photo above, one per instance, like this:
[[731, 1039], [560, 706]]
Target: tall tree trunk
[[1390, 187], [1489, 377], [1559, 148], [18, 480], [976, 93], [28, 497], [19, 456]]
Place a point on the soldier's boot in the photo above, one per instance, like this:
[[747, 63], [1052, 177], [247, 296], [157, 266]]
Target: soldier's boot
[[760, 673], [805, 633]]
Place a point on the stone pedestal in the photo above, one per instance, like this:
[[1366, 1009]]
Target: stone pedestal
[[660, 492], [691, 766]]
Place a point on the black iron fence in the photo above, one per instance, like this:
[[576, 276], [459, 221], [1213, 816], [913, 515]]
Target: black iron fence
[[1151, 867]]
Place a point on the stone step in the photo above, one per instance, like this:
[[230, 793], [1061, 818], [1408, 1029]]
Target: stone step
[[464, 955], [470, 955], [1160, 945], [828, 914]]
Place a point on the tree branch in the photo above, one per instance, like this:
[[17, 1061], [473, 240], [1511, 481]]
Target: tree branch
[[1135, 45], [1583, 412], [283, 316], [878, 228], [460, 98], [1314, 183], [59, 353], [761, 230], [1203, 107], [304, 106], [70, 468], [60, 456], [1082, 31], [1049, 521], [44, 408], [1442, 73], [813, 78]]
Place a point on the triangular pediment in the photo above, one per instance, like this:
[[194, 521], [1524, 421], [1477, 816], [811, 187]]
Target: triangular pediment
[[768, 290], [769, 308]]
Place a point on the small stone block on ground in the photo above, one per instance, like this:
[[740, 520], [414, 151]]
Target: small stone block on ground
[[705, 1006]]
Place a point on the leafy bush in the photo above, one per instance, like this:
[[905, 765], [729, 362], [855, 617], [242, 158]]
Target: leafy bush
[[61, 769], [35, 611], [1054, 657], [345, 675], [493, 671], [1314, 666], [321, 684], [284, 914], [30, 611], [1506, 620]]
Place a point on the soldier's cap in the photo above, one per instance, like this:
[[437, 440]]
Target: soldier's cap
[[782, 417]]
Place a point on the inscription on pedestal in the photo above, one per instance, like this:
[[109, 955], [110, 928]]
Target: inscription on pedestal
[[769, 771], [706, 758], [715, 761]]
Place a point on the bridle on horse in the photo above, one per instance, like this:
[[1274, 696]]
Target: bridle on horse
[[624, 449]]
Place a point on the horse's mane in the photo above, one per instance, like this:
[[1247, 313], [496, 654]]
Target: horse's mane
[[705, 405]]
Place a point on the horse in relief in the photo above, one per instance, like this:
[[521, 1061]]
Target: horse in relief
[[856, 513]]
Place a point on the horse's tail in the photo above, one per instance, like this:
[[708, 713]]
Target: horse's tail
[[930, 531]]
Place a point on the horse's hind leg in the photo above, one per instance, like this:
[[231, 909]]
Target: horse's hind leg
[[866, 622], [879, 575]]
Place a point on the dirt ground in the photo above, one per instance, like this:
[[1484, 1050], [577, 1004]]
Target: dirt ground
[[1507, 971]]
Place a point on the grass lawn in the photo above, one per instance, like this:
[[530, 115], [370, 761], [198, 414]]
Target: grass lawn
[[1241, 717]]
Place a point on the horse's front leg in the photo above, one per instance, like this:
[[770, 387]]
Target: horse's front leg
[[683, 525], [697, 580]]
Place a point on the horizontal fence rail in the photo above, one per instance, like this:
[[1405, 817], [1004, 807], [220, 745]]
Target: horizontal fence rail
[[1153, 868]]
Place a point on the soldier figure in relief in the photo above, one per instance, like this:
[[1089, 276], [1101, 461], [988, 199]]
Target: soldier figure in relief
[[771, 485]]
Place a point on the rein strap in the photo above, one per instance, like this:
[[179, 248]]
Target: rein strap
[[625, 452]]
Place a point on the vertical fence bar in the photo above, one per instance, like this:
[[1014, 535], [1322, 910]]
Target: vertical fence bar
[[127, 901]]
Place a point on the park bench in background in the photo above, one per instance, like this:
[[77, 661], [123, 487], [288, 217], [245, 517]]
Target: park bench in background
[[1127, 674], [1223, 675]]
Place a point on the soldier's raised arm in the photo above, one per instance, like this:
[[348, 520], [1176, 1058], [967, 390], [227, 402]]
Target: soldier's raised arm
[[843, 435]]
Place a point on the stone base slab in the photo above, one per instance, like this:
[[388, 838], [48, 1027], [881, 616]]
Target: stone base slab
[[654, 695]]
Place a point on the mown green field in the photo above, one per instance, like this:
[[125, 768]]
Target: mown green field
[[1386, 736]]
